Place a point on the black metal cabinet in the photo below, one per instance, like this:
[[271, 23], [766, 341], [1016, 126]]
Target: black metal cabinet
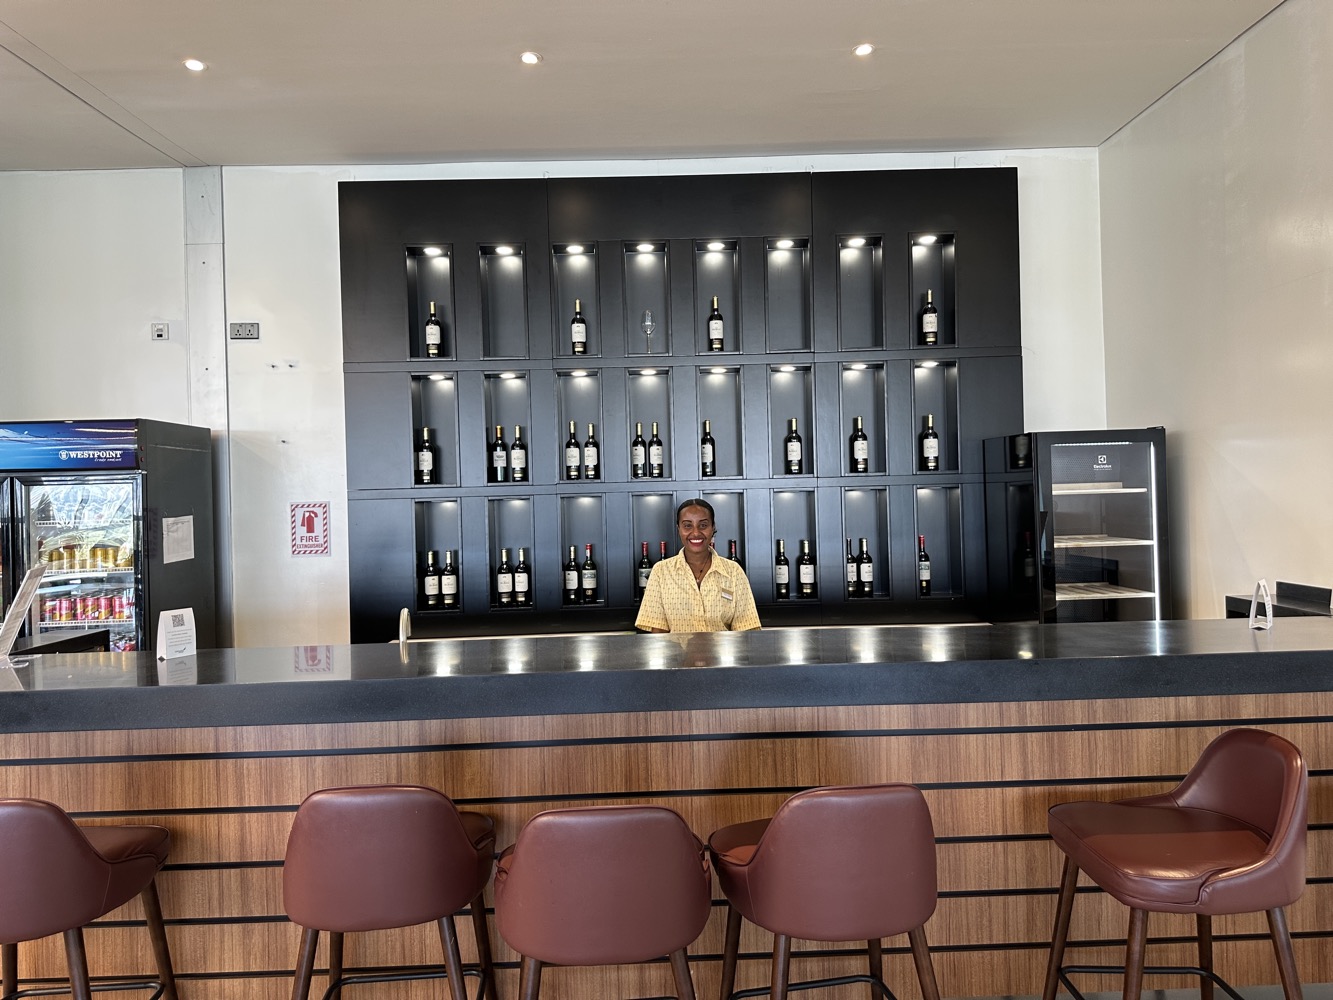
[[820, 278]]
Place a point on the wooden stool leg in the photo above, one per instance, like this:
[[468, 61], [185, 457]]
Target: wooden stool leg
[[1135, 946], [781, 966], [1286, 958], [9, 969], [335, 958], [1204, 924], [78, 965], [1063, 908], [925, 969], [875, 954], [729, 951], [305, 963], [680, 969], [530, 979], [453, 961], [157, 933], [483, 937]]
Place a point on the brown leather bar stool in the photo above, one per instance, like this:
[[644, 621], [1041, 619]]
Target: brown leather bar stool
[[1230, 838], [833, 864], [57, 877], [606, 885], [380, 857]]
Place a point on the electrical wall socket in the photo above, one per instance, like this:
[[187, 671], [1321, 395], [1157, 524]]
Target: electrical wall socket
[[160, 331], [243, 331]]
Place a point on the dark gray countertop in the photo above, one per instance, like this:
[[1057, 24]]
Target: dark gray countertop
[[536, 675]]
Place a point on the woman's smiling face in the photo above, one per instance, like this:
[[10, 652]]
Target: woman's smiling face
[[696, 530]]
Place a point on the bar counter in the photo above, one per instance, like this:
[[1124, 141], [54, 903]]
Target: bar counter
[[994, 722]]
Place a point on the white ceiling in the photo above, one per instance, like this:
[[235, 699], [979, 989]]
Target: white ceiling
[[99, 83]]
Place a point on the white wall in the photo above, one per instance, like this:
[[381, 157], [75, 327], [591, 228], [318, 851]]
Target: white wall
[[121, 242], [1217, 245]]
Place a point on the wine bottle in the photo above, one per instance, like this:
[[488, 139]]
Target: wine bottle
[[571, 573], [930, 321], [715, 327], [449, 581], [922, 567], [498, 471], [644, 570], [859, 446], [853, 574], [573, 454], [866, 570], [638, 453], [930, 446], [518, 458], [588, 576], [434, 334], [522, 580], [656, 455], [781, 574], [805, 570], [661, 549], [428, 458], [578, 330], [791, 444], [430, 581], [592, 455], [707, 452], [504, 580], [732, 554]]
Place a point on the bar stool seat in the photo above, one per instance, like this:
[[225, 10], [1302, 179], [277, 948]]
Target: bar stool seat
[[604, 885], [382, 857], [57, 877], [1230, 838], [833, 864]]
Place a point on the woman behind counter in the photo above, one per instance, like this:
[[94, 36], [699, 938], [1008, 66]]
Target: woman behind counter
[[697, 590]]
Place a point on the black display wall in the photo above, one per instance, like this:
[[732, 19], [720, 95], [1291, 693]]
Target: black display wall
[[821, 280]]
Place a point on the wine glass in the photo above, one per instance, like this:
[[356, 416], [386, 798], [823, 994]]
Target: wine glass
[[648, 325]]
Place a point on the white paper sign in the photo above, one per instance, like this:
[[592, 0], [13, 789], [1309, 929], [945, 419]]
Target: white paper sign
[[1261, 591], [176, 634], [177, 539]]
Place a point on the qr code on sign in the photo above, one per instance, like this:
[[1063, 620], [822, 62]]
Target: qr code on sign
[[177, 621]]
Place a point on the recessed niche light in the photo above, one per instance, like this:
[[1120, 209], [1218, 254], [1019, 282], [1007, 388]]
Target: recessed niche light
[[647, 371], [645, 248], [784, 244], [926, 241], [194, 65], [432, 251], [864, 49], [578, 373], [504, 251], [859, 366], [509, 374], [856, 241], [530, 58], [574, 248], [717, 245], [787, 368], [929, 364], [718, 371], [437, 377]]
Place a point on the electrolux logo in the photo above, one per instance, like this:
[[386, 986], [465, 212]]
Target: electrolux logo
[[1103, 464]]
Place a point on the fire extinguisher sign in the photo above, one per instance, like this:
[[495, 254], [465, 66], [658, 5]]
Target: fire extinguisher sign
[[310, 529]]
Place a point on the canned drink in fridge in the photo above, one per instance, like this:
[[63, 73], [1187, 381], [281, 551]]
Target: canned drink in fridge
[[118, 608], [64, 609], [105, 611]]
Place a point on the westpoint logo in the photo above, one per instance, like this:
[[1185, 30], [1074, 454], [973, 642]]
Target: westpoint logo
[[92, 454]]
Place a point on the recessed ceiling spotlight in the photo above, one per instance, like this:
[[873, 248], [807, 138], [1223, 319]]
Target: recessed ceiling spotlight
[[578, 373], [194, 65], [784, 244], [718, 371], [432, 251], [647, 371], [927, 240], [574, 248], [787, 368], [504, 251], [717, 245], [530, 58], [645, 248], [858, 366], [929, 364], [864, 49], [856, 241], [437, 377]]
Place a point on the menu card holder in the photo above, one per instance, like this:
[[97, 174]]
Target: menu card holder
[[1261, 590], [9, 631]]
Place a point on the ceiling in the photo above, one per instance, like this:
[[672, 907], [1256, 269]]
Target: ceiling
[[99, 83]]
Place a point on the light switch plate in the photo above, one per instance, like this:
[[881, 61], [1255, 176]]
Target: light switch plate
[[160, 331]]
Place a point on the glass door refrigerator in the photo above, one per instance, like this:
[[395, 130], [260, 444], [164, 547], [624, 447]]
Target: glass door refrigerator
[[1076, 526], [120, 512]]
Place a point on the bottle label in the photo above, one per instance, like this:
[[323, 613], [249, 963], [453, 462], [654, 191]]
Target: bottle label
[[590, 456], [793, 451], [807, 573], [655, 454], [425, 461], [433, 333], [431, 585], [571, 457], [449, 584], [644, 573], [636, 454], [867, 573], [504, 583], [498, 458], [706, 454], [715, 329], [578, 333], [861, 450], [518, 458], [923, 571], [930, 447], [782, 574], [851, 572], [930, 323], [571, 579], [590, 579], [521, 583]]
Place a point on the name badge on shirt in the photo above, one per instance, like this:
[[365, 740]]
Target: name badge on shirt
[[726, 595]]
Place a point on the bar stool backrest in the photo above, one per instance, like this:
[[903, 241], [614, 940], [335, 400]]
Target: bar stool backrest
[[375, 857], [51, 879], [846, 864], [606, 885]]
